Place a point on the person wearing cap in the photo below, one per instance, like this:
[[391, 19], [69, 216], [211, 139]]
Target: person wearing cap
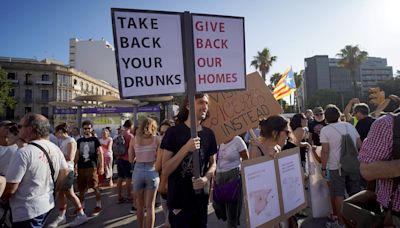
[[316, 125]]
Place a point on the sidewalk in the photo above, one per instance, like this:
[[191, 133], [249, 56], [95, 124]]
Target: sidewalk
[[117, 215]]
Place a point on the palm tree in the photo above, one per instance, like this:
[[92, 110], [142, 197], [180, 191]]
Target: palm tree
[[263, 62], [351, 58]]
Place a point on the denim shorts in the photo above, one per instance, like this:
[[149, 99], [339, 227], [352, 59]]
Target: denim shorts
[[145, 177]]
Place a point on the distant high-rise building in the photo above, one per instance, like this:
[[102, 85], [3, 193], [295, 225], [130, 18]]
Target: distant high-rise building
[[95, 58], [322, 72]]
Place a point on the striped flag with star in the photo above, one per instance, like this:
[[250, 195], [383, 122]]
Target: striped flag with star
[[285, 86]]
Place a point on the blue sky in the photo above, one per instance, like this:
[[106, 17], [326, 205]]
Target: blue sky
[[292, 30]]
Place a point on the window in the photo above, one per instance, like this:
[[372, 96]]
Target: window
[[28, 79], [28, 109], [9, 113], [11, 76], [64, 95], [45, 77], [97, 90], [75, 81], [45, 95], [45, 111], [28, 95]]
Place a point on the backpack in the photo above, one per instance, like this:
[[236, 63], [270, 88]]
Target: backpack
[[118, 147], [348, 154]]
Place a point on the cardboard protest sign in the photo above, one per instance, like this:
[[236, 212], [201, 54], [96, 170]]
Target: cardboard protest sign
[[273, 189], [233, 113], [260, 192], [291, 178]]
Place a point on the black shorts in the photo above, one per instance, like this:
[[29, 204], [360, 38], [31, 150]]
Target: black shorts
[[124, 169]]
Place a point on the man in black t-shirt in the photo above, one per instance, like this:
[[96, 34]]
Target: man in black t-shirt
[[90, 164], [188, 208], [316, 125], [361, 112]]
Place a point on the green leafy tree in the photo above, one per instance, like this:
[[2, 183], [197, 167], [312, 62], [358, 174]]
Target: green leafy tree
[[391, 86], [6, 101], [263, 62], [274, 80], [298, 79], [323, 97], [351, 58]]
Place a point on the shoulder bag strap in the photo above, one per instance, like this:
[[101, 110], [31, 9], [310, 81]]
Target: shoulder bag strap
[[48, 160], [395, 154], [262, 153]]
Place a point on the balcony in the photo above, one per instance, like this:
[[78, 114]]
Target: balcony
[[42, 101], [44, 83], [27, 100], [14, 81]]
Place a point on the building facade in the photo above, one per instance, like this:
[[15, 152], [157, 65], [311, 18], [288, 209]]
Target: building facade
[[36, 83], [95, 58], [322, 72]]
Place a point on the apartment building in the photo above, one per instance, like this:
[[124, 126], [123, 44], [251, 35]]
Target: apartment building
[[36, 83]]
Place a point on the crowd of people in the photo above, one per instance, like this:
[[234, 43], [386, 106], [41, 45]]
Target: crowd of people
[[39, 171]]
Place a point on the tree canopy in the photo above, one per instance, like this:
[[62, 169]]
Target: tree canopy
[[6, 101], [351, 58], [263, 62]]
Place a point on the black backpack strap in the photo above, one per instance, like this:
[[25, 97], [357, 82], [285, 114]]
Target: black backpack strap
[[48, 159]]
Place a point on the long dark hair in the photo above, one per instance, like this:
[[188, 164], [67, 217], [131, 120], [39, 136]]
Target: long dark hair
[[295, 122], [273, 123], [183, 113], [62, 127]]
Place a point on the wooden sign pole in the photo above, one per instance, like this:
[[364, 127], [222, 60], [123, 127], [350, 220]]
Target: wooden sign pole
[[191, 84]]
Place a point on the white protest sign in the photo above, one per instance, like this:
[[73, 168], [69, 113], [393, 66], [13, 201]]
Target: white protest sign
[[149, 52], [261, 193], [273, 188], [291, 182], [219, 53]]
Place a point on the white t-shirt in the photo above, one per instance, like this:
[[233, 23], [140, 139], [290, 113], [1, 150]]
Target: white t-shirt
[[334, 139], [64, 148], [229, 154], [6, 153], [29, 167]]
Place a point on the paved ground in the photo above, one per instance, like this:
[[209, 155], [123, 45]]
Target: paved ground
[[117, 215]]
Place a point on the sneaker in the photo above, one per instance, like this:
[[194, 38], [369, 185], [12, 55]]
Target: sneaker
[[97, 211], [132, 211], [80, 219], [59, 221]]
